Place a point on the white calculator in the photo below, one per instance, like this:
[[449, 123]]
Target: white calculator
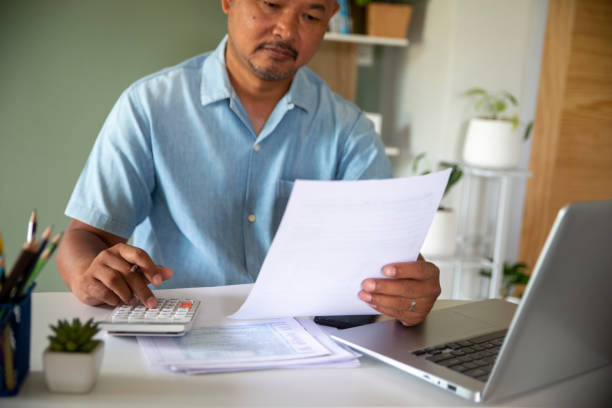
[[171, 317]]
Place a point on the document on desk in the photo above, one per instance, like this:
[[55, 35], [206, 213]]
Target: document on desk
[[335, 234], [278, 343]]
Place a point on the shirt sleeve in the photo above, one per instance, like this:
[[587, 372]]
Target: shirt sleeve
[[114, 190], [363, 154]]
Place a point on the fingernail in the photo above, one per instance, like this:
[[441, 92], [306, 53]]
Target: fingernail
[[133, 301], [365, 296], [369, 285], [389, 270], [151, 302], [157, 280]]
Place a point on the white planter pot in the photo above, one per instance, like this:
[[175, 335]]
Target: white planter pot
[[492, 144], [441, 239], [72, 372]]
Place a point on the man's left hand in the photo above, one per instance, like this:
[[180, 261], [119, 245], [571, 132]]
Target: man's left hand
[[407, 294]]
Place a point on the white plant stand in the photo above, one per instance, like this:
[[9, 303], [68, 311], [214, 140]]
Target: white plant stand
[[464, 260], [504, 177]]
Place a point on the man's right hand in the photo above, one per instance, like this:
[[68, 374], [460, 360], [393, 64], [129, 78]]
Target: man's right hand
[[101, 268], [112, 279]]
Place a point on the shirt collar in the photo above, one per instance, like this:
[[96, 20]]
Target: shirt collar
[[216, 85]]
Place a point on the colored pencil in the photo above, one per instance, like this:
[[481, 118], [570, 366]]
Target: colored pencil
[[44, 240], [26, 257], [40, 263], [2, 260], [31, 232], [9, 373]]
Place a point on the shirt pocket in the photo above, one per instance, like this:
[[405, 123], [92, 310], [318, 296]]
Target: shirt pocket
[[283, 191]]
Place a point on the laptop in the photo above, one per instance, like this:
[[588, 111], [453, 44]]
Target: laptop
[[493, 349]]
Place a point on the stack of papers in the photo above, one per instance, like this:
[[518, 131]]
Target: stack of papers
[[275, 343]]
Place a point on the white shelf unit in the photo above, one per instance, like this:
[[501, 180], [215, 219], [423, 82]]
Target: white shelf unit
[[363, 40], [461, 260], [366, 39]]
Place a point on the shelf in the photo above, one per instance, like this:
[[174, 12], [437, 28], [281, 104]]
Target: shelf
[[392, 151], [472, 262], [366, 39], [486, 172]]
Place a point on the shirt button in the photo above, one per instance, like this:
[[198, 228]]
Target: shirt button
[[251, 218], [290, 106], [256, 147]]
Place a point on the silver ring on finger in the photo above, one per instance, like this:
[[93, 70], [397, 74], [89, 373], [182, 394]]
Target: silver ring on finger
[[412, 306]]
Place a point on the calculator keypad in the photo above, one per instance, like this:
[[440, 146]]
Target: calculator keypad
[[168, 310]]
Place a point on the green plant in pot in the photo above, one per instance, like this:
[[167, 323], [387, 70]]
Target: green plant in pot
[[493, 139], [441, 239], [514, 276], [73, 358]]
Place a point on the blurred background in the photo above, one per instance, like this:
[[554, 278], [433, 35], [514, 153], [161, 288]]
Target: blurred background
[[64, 63]]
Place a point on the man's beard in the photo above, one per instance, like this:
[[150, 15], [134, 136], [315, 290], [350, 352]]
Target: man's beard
[[271, 74]]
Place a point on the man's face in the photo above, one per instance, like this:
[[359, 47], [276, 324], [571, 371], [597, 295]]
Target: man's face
[[275, 38]]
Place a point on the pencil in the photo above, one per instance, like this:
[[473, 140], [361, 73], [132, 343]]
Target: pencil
[[26, 257], [31, 233], [9, 374], [45, 239], [1, 260], [1, 272], [40, 263]]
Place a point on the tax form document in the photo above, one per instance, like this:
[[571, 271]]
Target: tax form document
[[234, 345], [335, 234]]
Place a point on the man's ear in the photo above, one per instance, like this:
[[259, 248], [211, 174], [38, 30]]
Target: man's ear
[[336, 8], [225, 5]]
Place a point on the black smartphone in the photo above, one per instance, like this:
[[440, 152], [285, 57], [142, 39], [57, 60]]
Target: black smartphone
[[345, 322]]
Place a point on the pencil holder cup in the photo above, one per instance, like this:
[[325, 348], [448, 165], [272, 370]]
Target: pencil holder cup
[[15, 319]]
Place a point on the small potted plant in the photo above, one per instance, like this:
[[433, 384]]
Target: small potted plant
[[73, 359], [441, 239], [492, 138], [515, 278]]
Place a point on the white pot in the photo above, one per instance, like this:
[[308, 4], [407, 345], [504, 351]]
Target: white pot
[[72, 372], [441, 239], [492, 143]]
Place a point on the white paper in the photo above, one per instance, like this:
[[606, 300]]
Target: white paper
[[234, 345], [339, 357], [335, 234]]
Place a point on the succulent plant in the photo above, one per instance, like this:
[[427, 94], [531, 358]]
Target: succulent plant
[[74, 337]]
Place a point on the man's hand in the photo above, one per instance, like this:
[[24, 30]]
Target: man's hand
[[408, 293], [117, 274]]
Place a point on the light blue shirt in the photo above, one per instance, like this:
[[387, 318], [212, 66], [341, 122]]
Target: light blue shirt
[[177, 164]]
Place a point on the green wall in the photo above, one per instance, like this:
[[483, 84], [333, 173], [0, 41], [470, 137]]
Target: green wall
[[63, 64]]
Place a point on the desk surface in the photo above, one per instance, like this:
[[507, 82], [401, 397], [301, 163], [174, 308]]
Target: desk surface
[[126, 379]]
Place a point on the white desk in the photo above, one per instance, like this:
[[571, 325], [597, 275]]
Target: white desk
[[126, 379]]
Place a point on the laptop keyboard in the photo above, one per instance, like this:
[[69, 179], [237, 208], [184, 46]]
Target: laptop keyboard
[[473, 357]]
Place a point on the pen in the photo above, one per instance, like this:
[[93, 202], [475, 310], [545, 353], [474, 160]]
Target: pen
[[40, 263], [31, 227]]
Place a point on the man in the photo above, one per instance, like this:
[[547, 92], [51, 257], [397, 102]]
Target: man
[[198, 160]]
